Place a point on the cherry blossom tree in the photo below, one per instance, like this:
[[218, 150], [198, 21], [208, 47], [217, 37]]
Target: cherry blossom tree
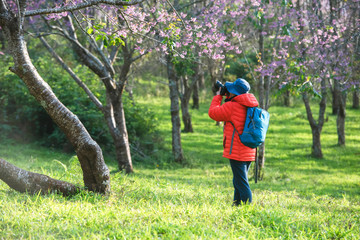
[[13, 14], [193, 35], [318, 55], [108, 43]]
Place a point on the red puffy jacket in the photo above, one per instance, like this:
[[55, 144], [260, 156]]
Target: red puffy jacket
[[234, 111]]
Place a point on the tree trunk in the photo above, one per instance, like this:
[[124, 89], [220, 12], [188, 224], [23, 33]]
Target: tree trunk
[[336, 93], [198, 75], [196, 96], [114, 109], [316, 146], [340, 120], [95, 172], [122, 145], [336, 97], [261, 89], [201, 79], [287, 99], [174, 109], [356, 97], [115, 119], [186, 116], [185, 99], [30, 182], [213, 69], [316, 128], [260, 161]]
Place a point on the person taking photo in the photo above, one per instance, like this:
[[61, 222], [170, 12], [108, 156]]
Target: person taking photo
[[233, 114]]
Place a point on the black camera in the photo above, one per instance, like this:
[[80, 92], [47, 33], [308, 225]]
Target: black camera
[[224, 91]]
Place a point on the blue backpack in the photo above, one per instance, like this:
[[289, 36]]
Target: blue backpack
[[256, 126]]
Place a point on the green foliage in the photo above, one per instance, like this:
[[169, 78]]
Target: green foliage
[[19, 109], [184, 67], [142, 126], [299, 198], [150, 86], [238, 67], [23, 118], [101, 35], [304, 81]]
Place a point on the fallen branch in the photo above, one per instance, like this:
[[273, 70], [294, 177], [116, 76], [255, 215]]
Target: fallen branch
[[30, 182]]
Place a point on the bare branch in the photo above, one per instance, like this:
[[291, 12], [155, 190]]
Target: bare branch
[[176, 12], [3, 6], [247, 62], [92, 40], [71, 36], [79, 6], [87, 57], [189, 4], [140, 56], [114, 52], [19, 12], [73, 75], [126, 21]]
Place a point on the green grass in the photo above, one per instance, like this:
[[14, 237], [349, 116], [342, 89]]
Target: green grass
[[300, 197]]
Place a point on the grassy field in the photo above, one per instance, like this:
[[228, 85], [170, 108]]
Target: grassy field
[[300, 197]]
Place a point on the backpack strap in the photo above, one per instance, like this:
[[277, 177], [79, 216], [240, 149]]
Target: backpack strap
[[232, 138], [251, 122]]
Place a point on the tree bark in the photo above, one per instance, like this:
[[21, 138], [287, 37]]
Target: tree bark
[[287, 99], [213, 69], [340, 120], [185, 99], [115, 119], [201, 79], [122, 145], [30, 182], [198, 75], [174, 109], [336, 97], [335, 90], [186, 116], [316, 127], [114, 110], [262, 104], [316, 146], [196, 97], [95, 172]]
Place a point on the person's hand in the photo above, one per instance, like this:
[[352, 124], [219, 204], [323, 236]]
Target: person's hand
[[218, 91]]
